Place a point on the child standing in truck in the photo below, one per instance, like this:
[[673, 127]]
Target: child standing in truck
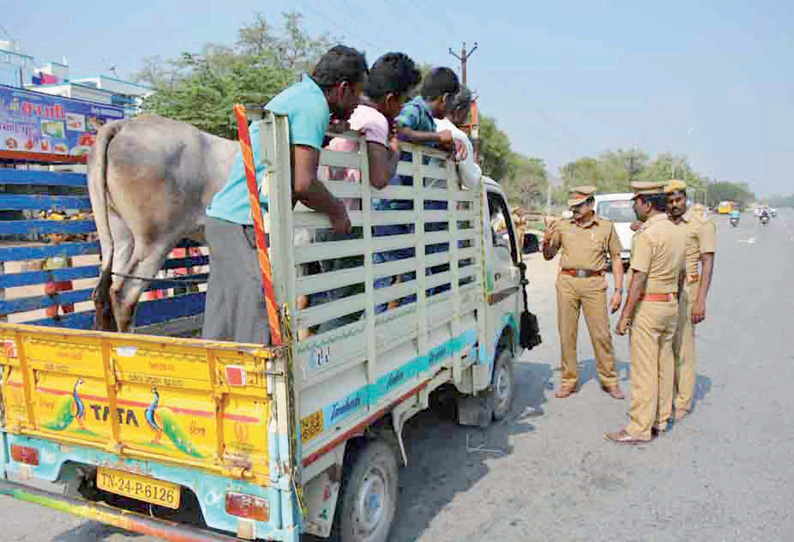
[[390, 79]]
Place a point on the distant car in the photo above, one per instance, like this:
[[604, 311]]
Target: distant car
[[618, 208], [772, 211]]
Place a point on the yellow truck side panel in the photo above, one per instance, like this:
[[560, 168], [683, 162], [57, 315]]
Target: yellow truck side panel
[[186, 401]]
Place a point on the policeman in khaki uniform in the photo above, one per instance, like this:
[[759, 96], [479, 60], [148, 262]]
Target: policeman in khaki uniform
[[584, 242], [651, 310], [700, 242]]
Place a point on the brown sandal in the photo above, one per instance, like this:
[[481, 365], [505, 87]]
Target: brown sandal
[[615, 393], [623, 437], [565, 391]]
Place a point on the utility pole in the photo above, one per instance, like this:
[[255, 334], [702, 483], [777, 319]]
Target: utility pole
[[474, 126], [464, 58]]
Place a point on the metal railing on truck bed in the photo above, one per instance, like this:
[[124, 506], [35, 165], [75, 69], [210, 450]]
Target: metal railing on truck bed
[[390, 305], [33, 291]]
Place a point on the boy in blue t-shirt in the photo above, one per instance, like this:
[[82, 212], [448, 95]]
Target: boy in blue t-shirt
[[416, 123], [235, 306]]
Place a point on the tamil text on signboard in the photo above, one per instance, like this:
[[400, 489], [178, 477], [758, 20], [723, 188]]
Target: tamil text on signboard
[[32, 122]]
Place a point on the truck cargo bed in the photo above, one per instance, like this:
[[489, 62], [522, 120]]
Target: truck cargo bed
[[192, 402]]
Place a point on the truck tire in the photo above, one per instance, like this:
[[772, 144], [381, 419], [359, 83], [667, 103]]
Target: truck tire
[[503, 384], [369, 495]]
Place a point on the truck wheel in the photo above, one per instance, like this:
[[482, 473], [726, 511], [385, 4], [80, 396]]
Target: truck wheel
[[503, 384], [369, 495]]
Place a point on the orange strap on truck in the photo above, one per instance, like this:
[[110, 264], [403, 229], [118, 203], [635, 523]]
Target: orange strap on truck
[[259, 226]]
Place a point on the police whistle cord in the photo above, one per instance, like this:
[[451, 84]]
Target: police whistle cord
[[259, 226]]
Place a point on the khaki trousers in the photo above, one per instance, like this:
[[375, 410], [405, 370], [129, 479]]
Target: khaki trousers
[[589, 296], [652, 366], [684, 350]]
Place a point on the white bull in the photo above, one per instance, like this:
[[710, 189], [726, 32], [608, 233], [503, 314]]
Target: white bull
[[150, 180]]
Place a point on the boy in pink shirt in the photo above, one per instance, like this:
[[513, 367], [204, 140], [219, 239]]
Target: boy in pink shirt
[[390, 79], [386, 89]]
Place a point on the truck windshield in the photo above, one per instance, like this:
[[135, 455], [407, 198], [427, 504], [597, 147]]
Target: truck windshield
[[616, 211]]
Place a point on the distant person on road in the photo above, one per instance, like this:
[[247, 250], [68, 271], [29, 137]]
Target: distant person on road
[[700, 243], [735, 213], [651, 311], [584, 242]]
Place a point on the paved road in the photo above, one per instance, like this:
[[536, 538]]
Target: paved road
[[546, 473]]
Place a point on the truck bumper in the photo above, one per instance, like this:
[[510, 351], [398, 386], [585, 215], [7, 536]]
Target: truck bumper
[[118, 518], [209, 489]]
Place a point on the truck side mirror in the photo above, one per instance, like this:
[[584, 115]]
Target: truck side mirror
[[531, 244]]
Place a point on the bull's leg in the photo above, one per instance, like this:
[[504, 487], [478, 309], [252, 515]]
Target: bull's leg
[[103, 318], [146, 267], [123, 245], [115, 256]]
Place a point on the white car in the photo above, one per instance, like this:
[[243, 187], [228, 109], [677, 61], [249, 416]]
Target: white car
[[618, 209]]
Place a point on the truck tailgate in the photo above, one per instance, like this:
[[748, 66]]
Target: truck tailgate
[[190, 402]]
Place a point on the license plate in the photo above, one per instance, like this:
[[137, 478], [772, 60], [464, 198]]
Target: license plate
[[138, 487]]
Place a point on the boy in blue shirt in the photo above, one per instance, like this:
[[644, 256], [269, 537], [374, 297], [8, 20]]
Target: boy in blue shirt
[[235, 306], [416, 123]]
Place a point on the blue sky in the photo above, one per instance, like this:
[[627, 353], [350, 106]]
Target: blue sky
[[712, 80]]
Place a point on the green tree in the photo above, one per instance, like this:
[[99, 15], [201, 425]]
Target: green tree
[[614, 171], [201, 88], [620, 168], [729, 191], [527, 181], [495, 152], [583, 171], [293, 48]]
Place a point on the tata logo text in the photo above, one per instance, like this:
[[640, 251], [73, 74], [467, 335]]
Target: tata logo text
[[125, 416]]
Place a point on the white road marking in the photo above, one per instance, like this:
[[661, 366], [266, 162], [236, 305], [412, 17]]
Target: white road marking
[[750, 241]]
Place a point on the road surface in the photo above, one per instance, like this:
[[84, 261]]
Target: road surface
[[546, 473]]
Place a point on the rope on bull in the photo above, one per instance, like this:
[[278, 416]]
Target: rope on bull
[[175, 280]]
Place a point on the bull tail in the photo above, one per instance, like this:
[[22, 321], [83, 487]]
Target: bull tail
[[97, 192]]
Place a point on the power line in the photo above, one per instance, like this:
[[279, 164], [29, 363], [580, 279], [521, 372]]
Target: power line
[[318, 14], [366, 21]]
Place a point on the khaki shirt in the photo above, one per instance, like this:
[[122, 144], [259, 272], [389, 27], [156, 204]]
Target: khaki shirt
[[658, 250], [701, 238], [586, 246]]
